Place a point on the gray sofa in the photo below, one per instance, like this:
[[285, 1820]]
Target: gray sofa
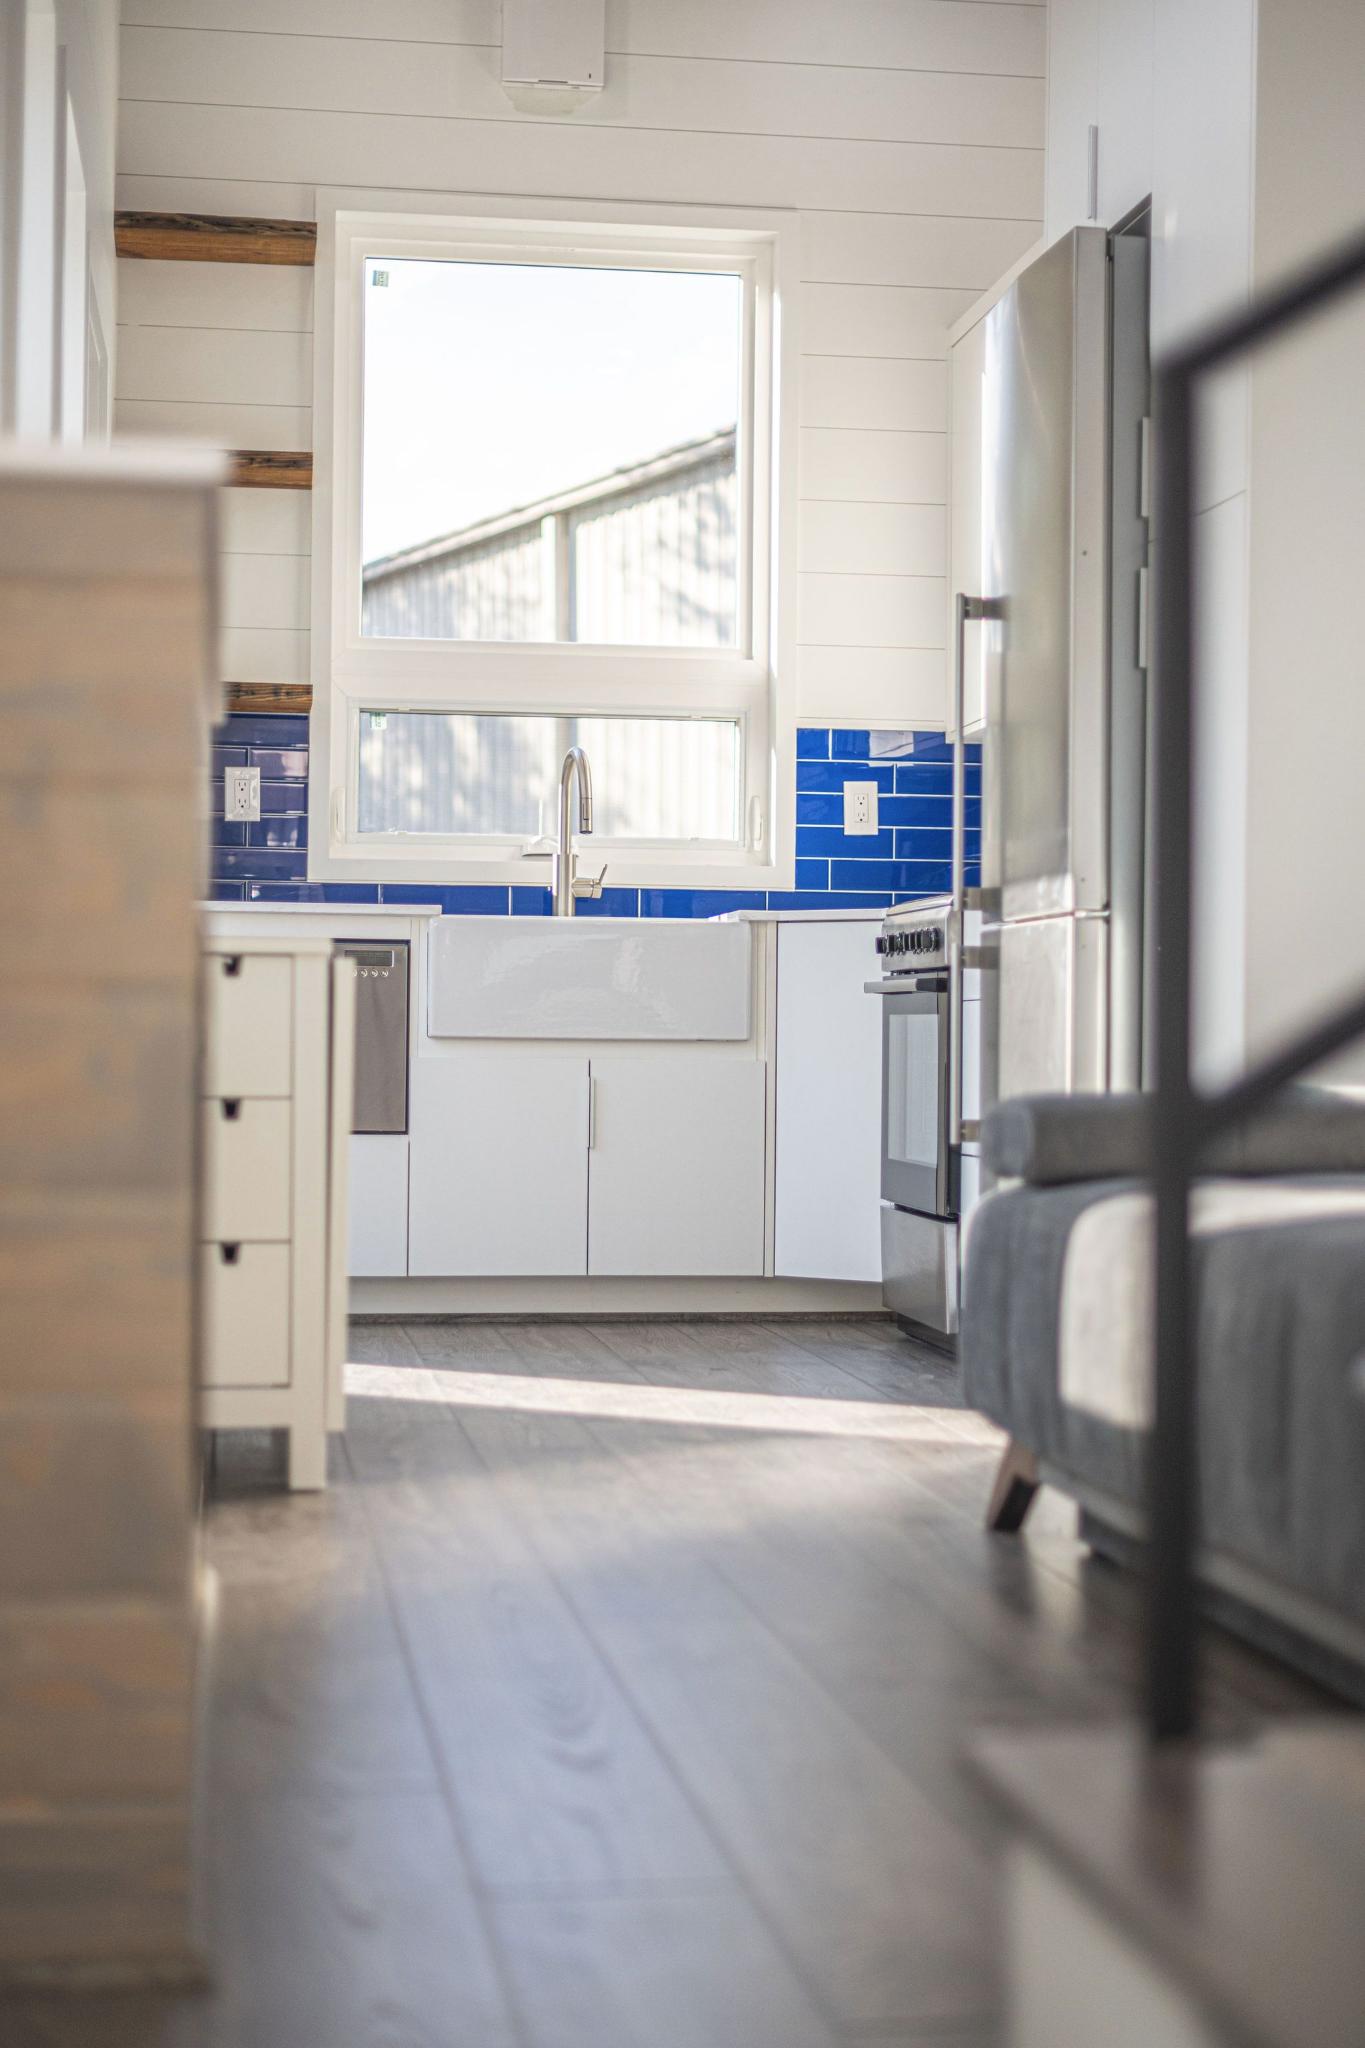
[[1281, 1339]]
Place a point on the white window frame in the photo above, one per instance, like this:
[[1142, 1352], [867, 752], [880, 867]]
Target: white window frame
[[753, 682]]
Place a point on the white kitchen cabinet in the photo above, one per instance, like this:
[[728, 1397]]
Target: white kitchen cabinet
[[244, 1294], [498, 1176], [248, 1168], [676, 1165], [248, 1047], [1073, 76], [827, 1221], [1124, 106], [379, 1206], [277, 1084], [1100, 78]]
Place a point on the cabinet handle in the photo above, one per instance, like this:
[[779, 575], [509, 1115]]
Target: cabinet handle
[[232, 1108], [592, 1112], [229, 1253]]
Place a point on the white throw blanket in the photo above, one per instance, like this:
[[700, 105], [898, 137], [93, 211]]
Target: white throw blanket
[[1107, 1307]]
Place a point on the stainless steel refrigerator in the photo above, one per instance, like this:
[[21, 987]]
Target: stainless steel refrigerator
[[1064, 444]]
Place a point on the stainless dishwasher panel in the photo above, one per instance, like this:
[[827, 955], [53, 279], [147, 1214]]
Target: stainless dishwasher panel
[[381, 1034]]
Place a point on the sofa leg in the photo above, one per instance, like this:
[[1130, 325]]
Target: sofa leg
[[1016, 1482]]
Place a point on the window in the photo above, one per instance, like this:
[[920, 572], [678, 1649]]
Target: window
[[549, 453], [555, 455]]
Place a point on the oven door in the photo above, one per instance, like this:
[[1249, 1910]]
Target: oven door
[[916, 1159]]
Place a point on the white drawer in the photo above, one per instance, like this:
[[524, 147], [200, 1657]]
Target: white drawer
[[245, 1315], [249, 1040], [247, 1170]]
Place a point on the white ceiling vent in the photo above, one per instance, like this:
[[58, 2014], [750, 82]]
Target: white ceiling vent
[[553, 53]]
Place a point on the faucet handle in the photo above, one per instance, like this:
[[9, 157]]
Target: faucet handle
[[589, 887]]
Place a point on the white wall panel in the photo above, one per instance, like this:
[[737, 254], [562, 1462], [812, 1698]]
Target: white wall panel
[[911, 248], [220, 426], [215, 365], [423, 21], [453, 155], [871, 685], [923, 35], [273, 199], [259, 295], [870, 611], [878, 320], [870, 467], [874, 391], [877, 540], [259, 654], [267, 522], [906, 34], [265, 590], [417, 79]]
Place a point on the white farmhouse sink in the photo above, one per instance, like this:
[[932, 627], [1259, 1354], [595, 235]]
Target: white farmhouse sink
[[587, 977]]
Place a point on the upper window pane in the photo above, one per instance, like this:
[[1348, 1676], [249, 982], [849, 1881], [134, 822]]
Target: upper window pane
[[550, 453]]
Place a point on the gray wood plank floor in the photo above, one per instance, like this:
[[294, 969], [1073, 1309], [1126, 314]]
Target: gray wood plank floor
[[614, 1697]]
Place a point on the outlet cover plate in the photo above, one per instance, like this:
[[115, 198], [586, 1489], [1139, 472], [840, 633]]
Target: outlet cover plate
[[860, 810], [242, 795]]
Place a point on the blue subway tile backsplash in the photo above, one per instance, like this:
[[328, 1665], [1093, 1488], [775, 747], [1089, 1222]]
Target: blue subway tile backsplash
[[909, 854]]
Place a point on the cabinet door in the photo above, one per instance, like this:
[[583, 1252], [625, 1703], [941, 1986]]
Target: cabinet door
[[964, 517], [1073, 93], [1124, 98], [676, 1174], [498, 1179], [245, 1310], [828, 1104], [378, 1206]]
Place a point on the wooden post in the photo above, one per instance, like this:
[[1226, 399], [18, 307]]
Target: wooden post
[[107, 571]]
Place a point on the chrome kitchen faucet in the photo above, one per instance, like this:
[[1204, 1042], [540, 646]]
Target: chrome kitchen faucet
[[569, 890]]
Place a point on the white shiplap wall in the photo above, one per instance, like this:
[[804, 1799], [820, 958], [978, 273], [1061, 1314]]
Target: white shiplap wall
[[908, 133]]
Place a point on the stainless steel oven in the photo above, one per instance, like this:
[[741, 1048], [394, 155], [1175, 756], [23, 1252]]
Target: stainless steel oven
[[917, 1155], [920, 948]]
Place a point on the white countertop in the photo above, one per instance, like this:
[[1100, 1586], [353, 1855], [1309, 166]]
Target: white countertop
[[798, 917], [353, 910], [346, 910]]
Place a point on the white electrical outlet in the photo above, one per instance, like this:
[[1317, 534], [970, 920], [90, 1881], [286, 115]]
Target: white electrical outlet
[[860, 810], [242, 795]]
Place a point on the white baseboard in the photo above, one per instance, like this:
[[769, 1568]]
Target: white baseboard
[[585, 1297]]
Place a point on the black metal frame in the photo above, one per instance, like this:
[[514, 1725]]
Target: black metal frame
[[1187, 1120]]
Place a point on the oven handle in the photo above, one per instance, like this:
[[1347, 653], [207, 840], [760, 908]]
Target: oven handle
[[964, 608], [906, 987]]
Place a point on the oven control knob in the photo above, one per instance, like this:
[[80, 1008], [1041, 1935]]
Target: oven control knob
[[879, 943]]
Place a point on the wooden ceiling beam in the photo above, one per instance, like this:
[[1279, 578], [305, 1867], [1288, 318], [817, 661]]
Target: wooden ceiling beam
[[267, 697], [272, 469], [214, 238]]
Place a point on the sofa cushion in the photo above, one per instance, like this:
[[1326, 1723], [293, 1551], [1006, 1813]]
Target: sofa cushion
[[1281, 1331], [1049, 1140]]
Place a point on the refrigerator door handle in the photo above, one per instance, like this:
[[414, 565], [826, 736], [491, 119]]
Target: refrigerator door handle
[[964, 608]]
